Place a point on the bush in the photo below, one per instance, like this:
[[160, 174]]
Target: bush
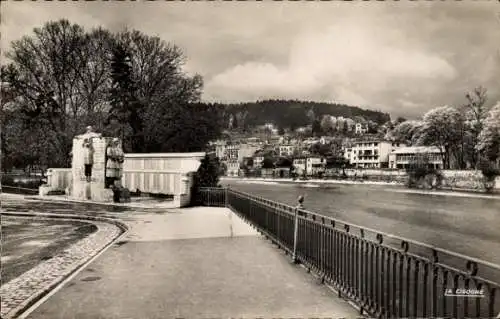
[[207, 176], [490, 174], [423, 176]]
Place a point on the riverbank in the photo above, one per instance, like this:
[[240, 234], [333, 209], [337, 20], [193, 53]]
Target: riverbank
[[398, 186]]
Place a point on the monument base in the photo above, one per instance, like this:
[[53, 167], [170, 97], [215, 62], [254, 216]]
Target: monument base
[[100, 194], [44, 190], [123, 195]]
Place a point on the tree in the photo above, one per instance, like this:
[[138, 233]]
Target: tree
[[284, 162], [124, 117], [316, 128], [58, 81], [65, 78], [268, 162], [320, 149], [475, 112], [168, 98], [281, 131], [488, 144], [400, 120], [327, 124], [405, 132], [241, 119], [439, 129]]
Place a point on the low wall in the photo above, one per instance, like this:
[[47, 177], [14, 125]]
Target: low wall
[[453, 179]]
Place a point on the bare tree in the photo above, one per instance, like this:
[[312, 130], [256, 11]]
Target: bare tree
[[475, 112], [50, 71]]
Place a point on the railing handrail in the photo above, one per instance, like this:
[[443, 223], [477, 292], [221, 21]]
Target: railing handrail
[[387, 235]]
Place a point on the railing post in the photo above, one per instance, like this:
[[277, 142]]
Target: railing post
[[295, 235], [300, 202], [226, 202]]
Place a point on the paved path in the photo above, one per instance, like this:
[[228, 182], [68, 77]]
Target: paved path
[[192, 263]]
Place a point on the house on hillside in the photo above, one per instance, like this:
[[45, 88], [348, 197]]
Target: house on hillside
[[309, 165], [403, 157], [361, 128], [369, 154], [286, 150]]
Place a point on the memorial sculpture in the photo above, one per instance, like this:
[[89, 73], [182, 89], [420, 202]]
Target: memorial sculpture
[[114, 163], [88, 159], [97, 168]]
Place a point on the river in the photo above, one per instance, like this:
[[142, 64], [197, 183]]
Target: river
[[469, 225]]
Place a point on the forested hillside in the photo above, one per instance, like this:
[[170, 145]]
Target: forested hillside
[[291, 114]]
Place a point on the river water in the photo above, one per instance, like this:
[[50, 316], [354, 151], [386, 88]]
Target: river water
[[464, 224]]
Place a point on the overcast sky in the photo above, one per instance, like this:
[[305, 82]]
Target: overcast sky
[[402, 58]]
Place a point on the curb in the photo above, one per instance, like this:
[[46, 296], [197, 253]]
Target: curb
[[122, 205], [30, 304]]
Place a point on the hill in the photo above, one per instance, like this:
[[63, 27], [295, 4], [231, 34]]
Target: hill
[[291, 114]]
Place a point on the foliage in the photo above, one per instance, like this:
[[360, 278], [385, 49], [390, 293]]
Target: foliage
[[291, 114], [405, 132], [320, 149], [441, 128], [208, 172], [421, 174], [125, 113], [62, 78], [490, 173], [489, 139], [475, 112], [284, 162], [336, 162], [268, 162]]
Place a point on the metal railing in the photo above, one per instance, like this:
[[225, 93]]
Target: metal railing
[[385, 275]]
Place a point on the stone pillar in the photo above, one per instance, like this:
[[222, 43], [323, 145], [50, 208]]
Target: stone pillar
[[83, 190]]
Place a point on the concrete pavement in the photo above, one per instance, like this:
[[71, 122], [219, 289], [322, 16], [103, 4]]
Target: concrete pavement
[[192, 263]]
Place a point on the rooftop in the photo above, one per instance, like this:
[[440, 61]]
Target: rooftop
[[416, 149]]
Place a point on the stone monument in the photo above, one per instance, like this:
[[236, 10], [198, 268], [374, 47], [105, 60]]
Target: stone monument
[[89, 167]]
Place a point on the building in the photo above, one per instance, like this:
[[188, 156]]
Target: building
[[311, 165], [233, 167], [360, 128], [404, 156], [369, 154], [258, 158], [234, 154], [220, 149], [286, 150]]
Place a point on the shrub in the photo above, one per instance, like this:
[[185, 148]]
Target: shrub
[[421, 174], [207, 176], [490, 174]]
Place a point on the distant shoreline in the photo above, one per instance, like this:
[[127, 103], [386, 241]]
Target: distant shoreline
[[398, 186], [311, 181]]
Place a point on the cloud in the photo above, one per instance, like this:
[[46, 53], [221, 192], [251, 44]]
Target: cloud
[[403, 58], [352, 64]]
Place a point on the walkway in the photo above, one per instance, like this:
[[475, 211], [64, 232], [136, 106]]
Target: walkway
[[192, 263]]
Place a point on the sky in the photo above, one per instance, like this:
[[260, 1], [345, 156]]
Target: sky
[[403, 58]]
